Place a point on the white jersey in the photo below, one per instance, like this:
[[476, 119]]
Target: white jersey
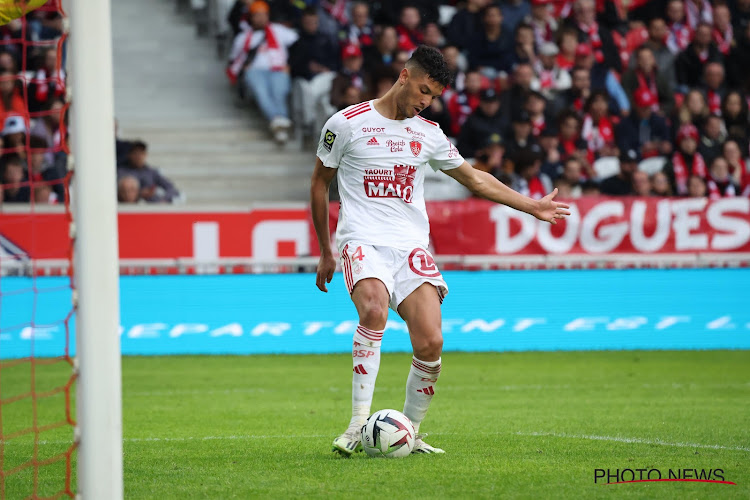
[[381, 174]]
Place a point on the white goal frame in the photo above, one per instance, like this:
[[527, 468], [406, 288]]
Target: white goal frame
[[96, 296]]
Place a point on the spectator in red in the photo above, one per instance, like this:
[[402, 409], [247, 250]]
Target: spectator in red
[[48, 126], [574, 98], [462, 104], [692, 110], [657, 35], [698, 11], [641, 184], [550, 79], [8, 61], [536, 106], [679, 33], [570, 141], [489, 46], [697, 187], [567, 40], [542, 21], [734, 111], [598, 129], [686, 160], [527, 177], [723, 30], [691, 61], [712, 138], [154, 186], [465, 23], [720, 182], [350, 74], [48, 82], [10, 96], [713, 86], [660, 185], [603, 78], [410, 34], [648, 75], [593, 34], [360, 30], [739, 167], [643, 130], [383, 52], [621, 184]]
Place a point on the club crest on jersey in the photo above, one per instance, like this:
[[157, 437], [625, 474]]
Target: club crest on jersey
[[397, 182], [416, 147]]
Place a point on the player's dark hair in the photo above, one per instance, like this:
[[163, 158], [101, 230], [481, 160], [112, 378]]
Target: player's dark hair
[[431, 61]]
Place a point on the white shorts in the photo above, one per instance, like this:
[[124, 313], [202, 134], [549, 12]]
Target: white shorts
[[401, 271]]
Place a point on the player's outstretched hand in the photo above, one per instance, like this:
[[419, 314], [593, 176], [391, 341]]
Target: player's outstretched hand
[[549, 210], [326, 267]]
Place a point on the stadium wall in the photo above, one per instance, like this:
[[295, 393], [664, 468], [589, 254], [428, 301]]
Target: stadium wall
[[485, 311]]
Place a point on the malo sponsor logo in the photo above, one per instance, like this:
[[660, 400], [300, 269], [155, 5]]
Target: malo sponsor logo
[[395, 146], [397, 182]]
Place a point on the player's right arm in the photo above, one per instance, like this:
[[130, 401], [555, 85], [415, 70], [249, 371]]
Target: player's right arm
[[332, 145], [321, 181]]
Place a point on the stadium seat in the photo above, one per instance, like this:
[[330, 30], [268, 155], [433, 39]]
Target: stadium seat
[[607, 166]]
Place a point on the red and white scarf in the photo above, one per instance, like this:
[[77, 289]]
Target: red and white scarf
[[537, 125], [592, 31], [681, 173], [724, 40], [597, 135], [337, 10], [240, 51], [714, 102], [648, 82], [42, 81], [695, 14], [679, 37], [722, 189]]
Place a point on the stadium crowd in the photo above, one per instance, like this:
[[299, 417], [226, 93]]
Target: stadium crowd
[[623, 97], [33, 120], [32, 100]]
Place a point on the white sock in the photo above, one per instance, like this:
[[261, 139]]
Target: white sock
[[420, 387], [366, 360]]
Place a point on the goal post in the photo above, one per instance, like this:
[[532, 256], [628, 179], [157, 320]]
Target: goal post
[[94, 198]]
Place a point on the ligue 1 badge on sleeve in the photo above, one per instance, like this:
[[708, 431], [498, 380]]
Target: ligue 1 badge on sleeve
[[328, 139], [416, 147]]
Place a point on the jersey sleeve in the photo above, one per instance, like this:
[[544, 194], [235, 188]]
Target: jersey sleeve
[[334, 139], [445, 155]]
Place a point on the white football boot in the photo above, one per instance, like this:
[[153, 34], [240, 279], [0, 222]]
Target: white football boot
[[349, 442], [421, 447]]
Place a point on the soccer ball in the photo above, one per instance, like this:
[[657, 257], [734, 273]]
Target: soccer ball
[[388, 433]]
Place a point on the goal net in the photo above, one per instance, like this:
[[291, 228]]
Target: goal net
[[37, 373]]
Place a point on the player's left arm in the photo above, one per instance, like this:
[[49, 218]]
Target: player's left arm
[[486, 186]]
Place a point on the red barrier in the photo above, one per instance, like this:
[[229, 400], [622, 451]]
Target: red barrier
[[472, 227]]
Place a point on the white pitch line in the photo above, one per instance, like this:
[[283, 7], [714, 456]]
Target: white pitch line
[[628, 440], [591, 437]]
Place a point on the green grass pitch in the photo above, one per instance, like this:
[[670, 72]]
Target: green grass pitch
[[514, 425]]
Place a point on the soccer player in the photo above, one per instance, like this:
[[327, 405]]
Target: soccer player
[[13, 9], [379, 149]]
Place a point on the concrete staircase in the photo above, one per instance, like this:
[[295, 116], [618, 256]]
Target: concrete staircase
[[170, 91]]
